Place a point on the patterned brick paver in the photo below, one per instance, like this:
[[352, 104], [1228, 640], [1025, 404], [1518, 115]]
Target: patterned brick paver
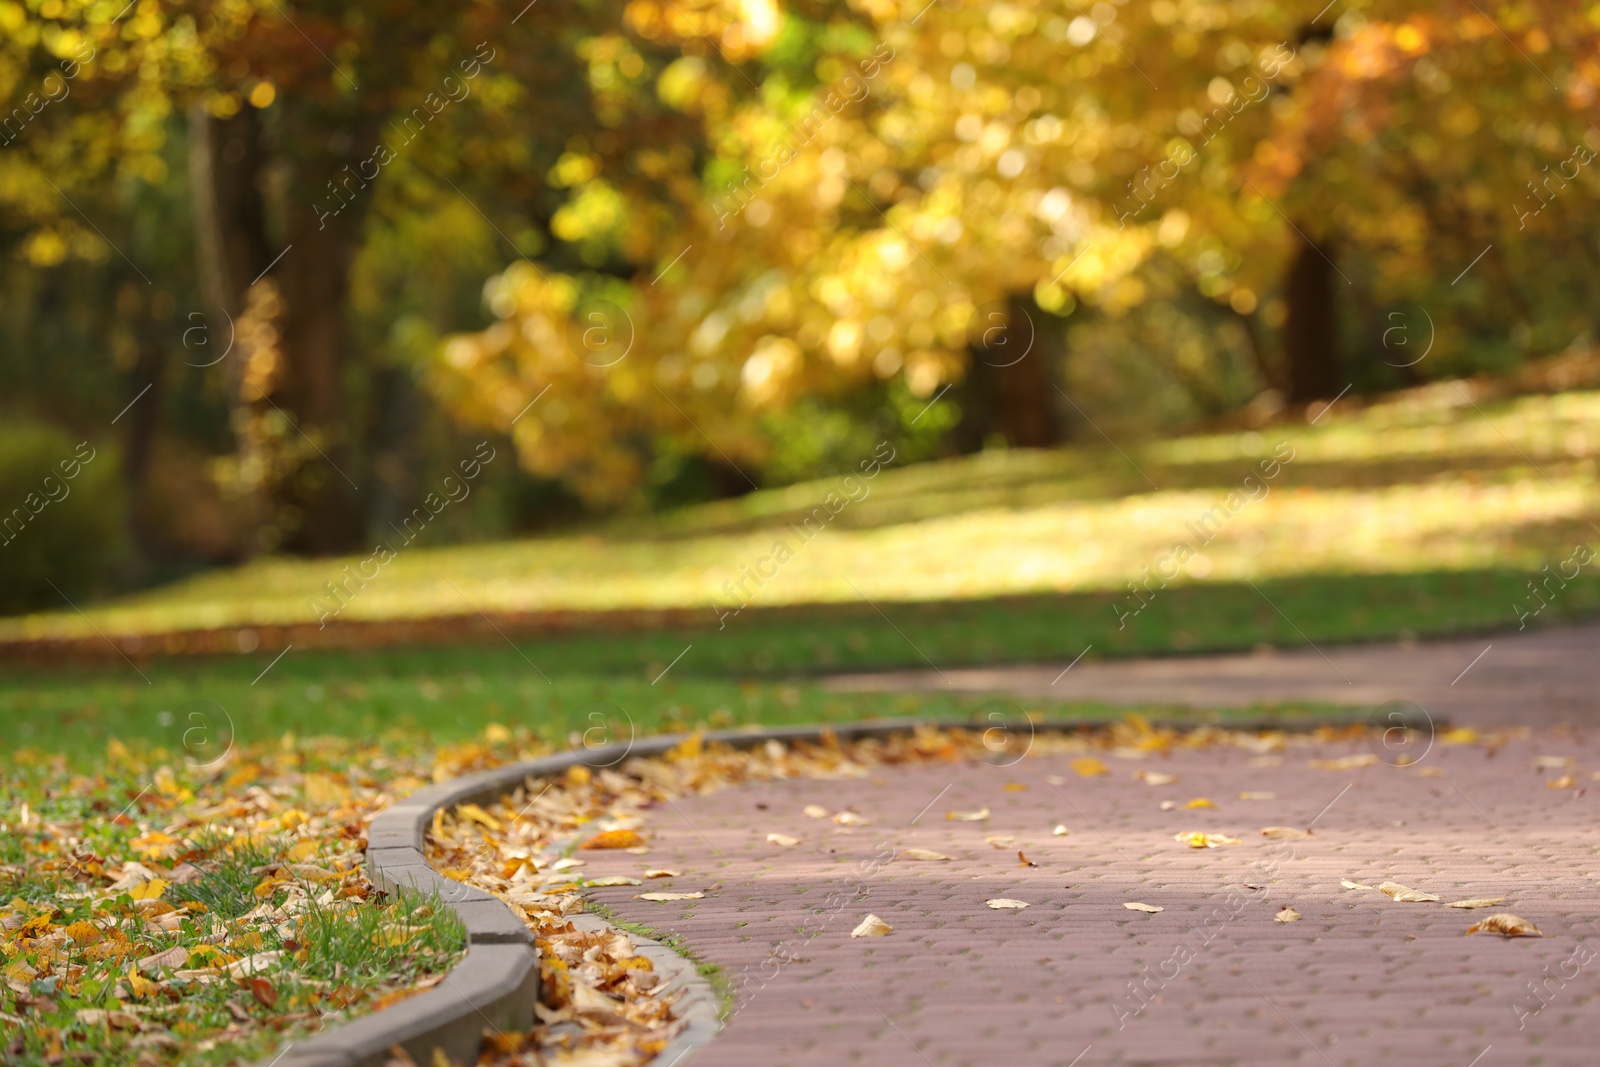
[[1078, 979]]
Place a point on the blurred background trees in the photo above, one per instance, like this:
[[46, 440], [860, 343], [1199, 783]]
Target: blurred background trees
[[285, 262]]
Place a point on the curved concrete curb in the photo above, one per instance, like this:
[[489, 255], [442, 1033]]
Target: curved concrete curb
[[495, 985]]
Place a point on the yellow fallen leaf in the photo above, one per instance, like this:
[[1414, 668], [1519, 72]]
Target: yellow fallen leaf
[[1348, 884], [1000, 841], [302, 850], [924, 854], [615, 879], [1169, 805], [815, 811], [871, 926], [1431, 772], [496, 733], [153, 845], [614, 839], [1155, 777], [850, 818], [1566, 781], [1287, 915], [1281, 832], [1015, 787], [1461, 735], [1476, 902], [1345, 763], [322, 791], [83, 933], [670, 896], [1200, 802], [150, 890], [1089, 767], [1200, 839], [967, 816], [1134, 905], [1001, 903], [1403, 895], [473, 813], [1507, 924], [661, 872], [783, 839]]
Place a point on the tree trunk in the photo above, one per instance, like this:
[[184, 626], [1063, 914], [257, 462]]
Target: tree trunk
[[315, 279], [1310, 333], [1010, 390]]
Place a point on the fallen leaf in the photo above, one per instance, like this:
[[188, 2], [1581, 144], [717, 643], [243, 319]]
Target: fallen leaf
[[172, 959], [1461, 735], [1566, 781], [924, 854], [1023, 860], [615, 879], [815, 811], [1345, 763], [670, 896], [1279, 832], [1060, 830], [1403, 895], [1505, 923], [967, 816], [1000, 840], [661, 872], [1001, 903], [1200, 839], [1134, 905], [254, 963], [1254, 795], [1015, 787], [565, 864], [1287, 915], [783, 839], [1155, 777], [262, 990], [1552, 763], [1089, 767], [614, 839], [871, 926], [1348, 884], [1200, 802], [150, 890], [1431, 772], [850, 818], [1476, 902]]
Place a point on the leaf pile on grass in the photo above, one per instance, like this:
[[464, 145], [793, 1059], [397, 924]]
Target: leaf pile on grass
[[601, 1002], [153, 912]]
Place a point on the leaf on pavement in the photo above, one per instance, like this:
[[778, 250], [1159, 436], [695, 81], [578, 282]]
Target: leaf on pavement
[[1251, 794], [850, 818], [1002, 903], [1023, 860], [1200, 802], [815, 811], [614, 839], [615, 879], [1405, 895], [1201, 839], [1089, 767], [1280, 832], [924, 854], [967, 816], [1134, 905], [1345, 763], [1287, 915], [871, 926], [670, 896], [1155, 777], [1506, 924], [1060, 830], [1476, 902], [661, 872], [783, 839]]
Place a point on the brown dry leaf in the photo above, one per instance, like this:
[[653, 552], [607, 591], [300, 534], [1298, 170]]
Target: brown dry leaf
[[1476, 902], [614, 839], [661, 872], [1507, 924], [1200, 839], [1281, 832], [815, 811], [254, 963], [1200, 802], [1023, 860], [615, 879], [850, 818], [1345, 763], [1089, 767], [871, 926], [262, 990], [967, 816], [1134, 905], [172, 959], [783, 839], [924, 854], [1287, 915], [670, 896], [1404, 895], [1155, 777], [1002, 903]]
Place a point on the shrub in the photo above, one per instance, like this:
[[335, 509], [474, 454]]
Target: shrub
[[61, 516]]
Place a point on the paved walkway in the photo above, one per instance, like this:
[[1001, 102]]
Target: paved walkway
[[1077, 980], [1533, 678]]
